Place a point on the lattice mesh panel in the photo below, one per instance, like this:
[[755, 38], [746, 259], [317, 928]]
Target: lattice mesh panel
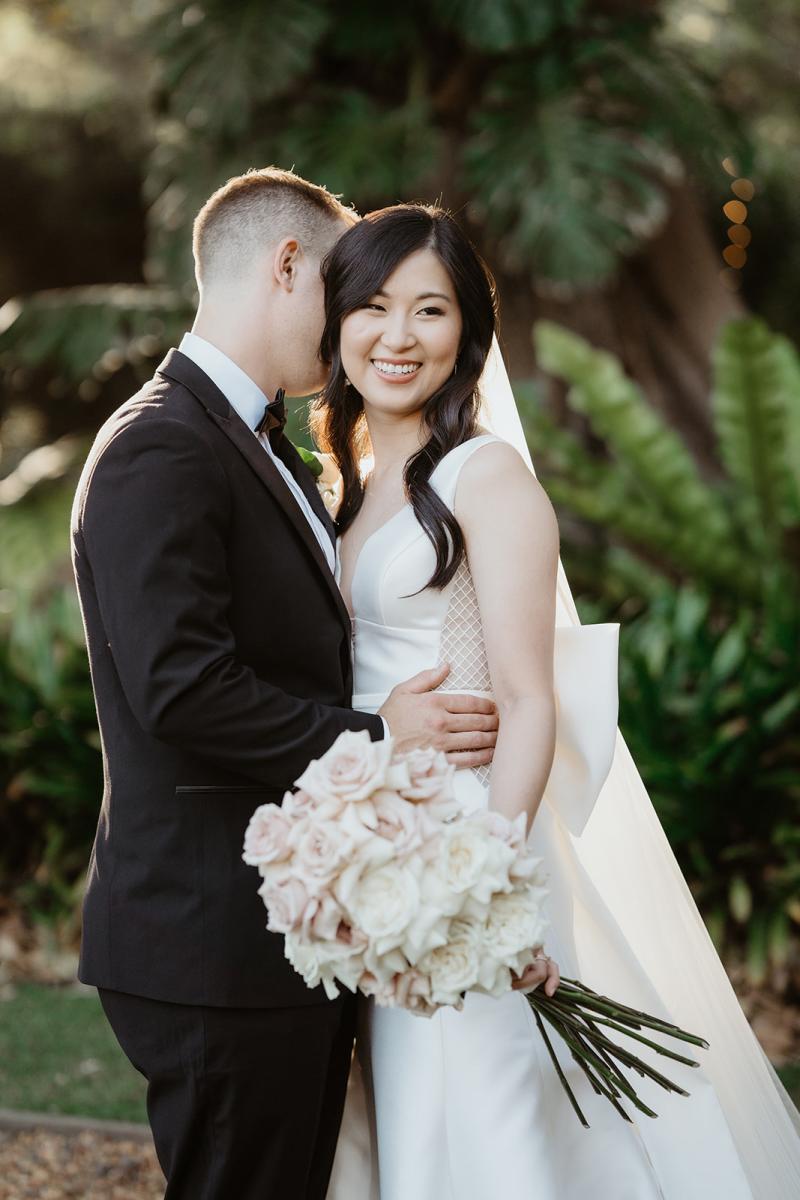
[[463, 647]]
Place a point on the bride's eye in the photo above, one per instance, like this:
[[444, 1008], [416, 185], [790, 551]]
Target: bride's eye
[[373, 305], [437, 312]]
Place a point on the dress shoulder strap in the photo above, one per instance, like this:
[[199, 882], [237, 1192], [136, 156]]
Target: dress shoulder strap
[[444, 477]]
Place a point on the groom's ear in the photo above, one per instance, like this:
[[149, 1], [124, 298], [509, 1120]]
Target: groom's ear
[[285, 262]]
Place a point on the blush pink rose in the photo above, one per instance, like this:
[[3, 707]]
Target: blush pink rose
[[350, 771], [398, 822], [286, 903], [322, 919], [298, 804], [430, 774], [321, 851], [266, 838]]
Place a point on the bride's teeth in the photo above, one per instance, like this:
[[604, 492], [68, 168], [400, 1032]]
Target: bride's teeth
[[396, 368]]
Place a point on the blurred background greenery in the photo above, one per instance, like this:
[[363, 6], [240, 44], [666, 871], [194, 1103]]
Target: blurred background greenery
[[629, 169]]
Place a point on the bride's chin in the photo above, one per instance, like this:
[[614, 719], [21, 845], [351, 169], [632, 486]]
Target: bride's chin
[[383, 406]]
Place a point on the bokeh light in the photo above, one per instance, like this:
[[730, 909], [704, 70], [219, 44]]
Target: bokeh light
[[735, 211], [743, 188], [740, 235]]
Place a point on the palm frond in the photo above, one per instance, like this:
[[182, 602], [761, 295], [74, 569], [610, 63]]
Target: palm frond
[[503, 25], [655, 492], [756, 406], [93, 328], [560, 190], [219, 62]]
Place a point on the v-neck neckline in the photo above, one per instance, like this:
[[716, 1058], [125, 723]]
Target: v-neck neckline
[[389, 521], [361, 550]]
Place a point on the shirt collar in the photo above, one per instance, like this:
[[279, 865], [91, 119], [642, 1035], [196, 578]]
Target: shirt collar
[[245, 396]]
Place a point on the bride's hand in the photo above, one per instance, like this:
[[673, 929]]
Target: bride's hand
[[541, 970], [463, 726]]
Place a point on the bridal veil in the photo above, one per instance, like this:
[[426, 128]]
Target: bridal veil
[[638, 935]]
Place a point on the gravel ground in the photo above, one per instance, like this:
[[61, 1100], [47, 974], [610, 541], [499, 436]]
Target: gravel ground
[[40, 1165]]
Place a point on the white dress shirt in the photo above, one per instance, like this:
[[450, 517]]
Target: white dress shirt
[[249, 401]]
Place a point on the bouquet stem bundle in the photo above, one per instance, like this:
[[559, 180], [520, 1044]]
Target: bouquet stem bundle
[[576, 1013]]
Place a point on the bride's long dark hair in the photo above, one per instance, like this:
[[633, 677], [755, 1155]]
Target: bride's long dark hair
[[354, 270]]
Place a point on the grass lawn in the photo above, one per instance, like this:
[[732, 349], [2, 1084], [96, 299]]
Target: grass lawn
[[58, 1054]]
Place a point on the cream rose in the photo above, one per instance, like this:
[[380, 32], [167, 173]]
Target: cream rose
[[266, 838], [515, 923], [383, 903], [351, 770], [462, 857], [453, 968]]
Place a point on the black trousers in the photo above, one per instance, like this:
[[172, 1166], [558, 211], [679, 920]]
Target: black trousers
[[244, 1103]]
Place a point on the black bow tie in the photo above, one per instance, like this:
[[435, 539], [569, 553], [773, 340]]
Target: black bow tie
[[274, 417]]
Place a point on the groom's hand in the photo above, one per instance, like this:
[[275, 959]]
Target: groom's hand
[[463, 726]]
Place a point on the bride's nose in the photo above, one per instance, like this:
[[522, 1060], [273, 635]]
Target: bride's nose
[[397, 334]]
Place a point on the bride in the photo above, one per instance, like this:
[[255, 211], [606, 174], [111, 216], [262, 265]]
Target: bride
[[449, 552]]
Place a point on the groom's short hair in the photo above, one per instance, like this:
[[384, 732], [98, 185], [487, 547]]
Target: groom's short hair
[[256, 210]]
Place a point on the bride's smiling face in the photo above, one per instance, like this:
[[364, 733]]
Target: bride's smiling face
[[401, 346]]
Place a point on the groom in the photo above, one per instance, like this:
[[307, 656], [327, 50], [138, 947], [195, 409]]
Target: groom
[[220, 654]]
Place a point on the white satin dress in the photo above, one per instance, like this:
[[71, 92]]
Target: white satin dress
[[467, 1105]]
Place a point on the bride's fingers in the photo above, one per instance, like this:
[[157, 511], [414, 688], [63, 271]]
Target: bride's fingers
[[553, 978], [540, 971], [531, 977]]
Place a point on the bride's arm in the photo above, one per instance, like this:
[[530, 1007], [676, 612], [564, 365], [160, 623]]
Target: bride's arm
[[512, 541]]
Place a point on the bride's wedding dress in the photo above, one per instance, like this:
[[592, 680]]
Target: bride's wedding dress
[[467, 1105]]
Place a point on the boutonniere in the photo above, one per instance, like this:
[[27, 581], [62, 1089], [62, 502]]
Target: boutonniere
[[326, 476]]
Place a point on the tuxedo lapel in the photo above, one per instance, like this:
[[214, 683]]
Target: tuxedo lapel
[[287, 453], [178, 367]]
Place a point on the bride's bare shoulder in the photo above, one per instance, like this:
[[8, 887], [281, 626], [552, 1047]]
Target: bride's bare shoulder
[[496, 484]]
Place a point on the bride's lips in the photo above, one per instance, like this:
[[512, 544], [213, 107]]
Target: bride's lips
[[395, 376]]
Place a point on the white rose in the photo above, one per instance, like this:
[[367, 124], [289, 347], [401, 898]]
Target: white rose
[[454, 968], [473, 860], [462, 856], [303, 958], [383, 904], [351, 770], [515, 923]]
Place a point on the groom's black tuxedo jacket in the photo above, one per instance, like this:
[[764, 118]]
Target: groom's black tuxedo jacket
[[220, 655]]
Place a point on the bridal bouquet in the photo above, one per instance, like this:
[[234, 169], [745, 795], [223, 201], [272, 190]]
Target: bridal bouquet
[[381, 882]]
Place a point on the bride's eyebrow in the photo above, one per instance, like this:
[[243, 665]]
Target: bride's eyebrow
[[422, 296]]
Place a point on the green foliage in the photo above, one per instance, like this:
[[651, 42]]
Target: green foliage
[[91, 332], [51, 777], [556, 185], [504, 104], [709, 692], [657, 499], [513, 25]]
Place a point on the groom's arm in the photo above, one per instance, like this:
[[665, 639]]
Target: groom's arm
[[151, 531]]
